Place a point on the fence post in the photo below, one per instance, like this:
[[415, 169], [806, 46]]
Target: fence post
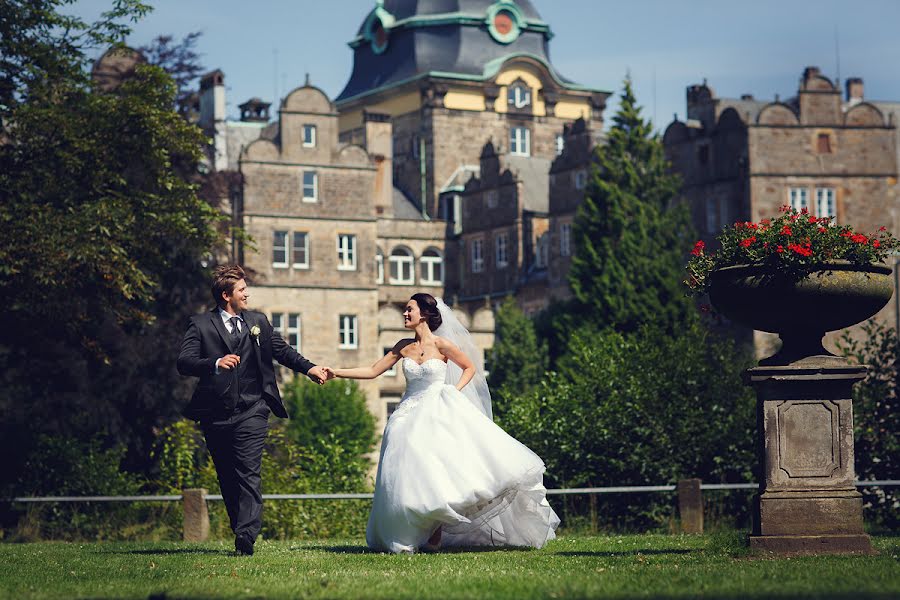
[[690, 505], [196, 515]]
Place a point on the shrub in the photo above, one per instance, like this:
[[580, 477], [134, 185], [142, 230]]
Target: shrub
[[68, 467], [876, 420], [639, 409], [336, 411]]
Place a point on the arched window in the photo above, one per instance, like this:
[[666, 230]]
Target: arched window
[[401, 266], [379, 266], [432, 267]]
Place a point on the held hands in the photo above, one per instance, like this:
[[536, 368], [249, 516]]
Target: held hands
[[321, 374]]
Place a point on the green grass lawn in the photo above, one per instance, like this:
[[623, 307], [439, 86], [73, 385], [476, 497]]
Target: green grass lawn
[[615, 566]]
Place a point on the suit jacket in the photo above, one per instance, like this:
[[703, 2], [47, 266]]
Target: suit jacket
[[206, 341]]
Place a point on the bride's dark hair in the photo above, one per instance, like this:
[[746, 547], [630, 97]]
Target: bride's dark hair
[[428, 308]]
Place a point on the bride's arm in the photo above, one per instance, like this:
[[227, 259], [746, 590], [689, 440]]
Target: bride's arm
[[450, 350], [382, 365]]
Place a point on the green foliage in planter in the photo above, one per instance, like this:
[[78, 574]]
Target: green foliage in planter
[[790, 245]]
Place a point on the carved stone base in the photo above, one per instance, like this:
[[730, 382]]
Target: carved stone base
[[812, 544], [820, 512]]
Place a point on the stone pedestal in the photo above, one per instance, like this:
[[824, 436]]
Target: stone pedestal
[[807, 501]]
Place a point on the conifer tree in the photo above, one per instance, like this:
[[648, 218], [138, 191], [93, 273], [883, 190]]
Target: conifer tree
[[629, 236], [518, 360]]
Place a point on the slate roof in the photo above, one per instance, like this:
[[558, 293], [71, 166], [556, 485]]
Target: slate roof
[[446, 38]]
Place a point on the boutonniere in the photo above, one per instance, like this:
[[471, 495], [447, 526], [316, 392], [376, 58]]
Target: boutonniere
[[254, 333]]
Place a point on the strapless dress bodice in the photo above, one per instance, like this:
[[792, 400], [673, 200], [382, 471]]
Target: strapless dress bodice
[[420, 377]]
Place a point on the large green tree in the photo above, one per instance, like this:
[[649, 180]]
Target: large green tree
[[629, 235], [101, 235], [518, 360]]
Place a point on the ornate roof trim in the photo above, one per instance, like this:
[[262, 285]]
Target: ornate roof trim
[[491, 69], [456, 18]]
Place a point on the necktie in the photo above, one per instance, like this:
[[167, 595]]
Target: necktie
[[234, 327]]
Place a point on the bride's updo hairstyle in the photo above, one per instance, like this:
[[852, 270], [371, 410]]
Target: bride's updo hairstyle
[[428, 308]]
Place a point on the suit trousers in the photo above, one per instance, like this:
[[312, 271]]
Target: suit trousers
[[236, 446]]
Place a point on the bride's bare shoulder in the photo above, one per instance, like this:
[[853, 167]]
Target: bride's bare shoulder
[[443, 343], [399, 346]]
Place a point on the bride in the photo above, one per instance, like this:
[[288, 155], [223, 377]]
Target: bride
[[448, 476]]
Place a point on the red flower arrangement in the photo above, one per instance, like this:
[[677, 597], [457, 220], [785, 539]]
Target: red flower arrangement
[[789, 245]]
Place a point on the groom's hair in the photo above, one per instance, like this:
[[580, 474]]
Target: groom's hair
[[428, 308], [224, 280]]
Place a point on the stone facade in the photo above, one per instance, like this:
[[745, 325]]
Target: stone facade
[[742, 159]]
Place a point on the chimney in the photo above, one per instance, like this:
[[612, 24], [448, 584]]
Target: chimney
[[212, 99], [212, 116], [854, 87], [379, 144]]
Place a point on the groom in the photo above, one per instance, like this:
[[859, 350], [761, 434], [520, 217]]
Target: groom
[[231, 350]]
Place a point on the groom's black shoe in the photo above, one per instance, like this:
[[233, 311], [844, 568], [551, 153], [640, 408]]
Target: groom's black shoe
[[243, 546]]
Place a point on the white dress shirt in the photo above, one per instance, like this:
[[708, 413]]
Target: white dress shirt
[[226, 318]]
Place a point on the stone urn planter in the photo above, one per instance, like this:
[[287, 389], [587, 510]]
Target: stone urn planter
[[807, 501], [833, 296]]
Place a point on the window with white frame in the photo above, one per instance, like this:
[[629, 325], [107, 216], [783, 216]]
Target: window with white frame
[[293, 331], [392, 370], [560, 144], [300, 250], [278, 323], [565, 239], [432, 264], [280, 249], [348, 336], [379, 266], [288, 327], [310, 186], [491, 199], [580, 179], [518, 95], [477, 252], [501, 257], [346, 251], [520, 141], [825, 204], [712, 216], [309, 136], [400, 266], [799, 198]]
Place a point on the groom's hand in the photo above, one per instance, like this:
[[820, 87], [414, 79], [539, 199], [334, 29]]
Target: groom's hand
[[318, 374], [229, 361]]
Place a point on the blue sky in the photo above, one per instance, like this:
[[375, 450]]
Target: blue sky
[[265, 47]]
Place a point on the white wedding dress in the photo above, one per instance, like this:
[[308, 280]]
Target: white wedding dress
[[444, 463]]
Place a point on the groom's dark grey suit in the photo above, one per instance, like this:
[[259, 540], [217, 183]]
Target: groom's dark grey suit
[[232, 405]]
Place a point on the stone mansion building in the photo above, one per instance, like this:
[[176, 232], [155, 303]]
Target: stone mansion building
[[446, 165], [455, 158], [742, 158]]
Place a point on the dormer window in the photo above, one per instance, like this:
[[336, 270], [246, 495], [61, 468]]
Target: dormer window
[[519, 96]]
